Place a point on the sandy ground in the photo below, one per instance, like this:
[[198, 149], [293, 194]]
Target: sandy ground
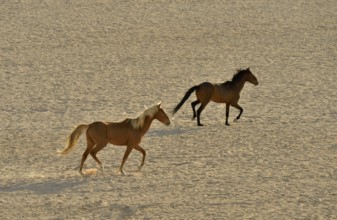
[[63, 63]]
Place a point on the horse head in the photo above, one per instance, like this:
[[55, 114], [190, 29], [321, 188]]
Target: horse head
[[250, 77], [162, 116]]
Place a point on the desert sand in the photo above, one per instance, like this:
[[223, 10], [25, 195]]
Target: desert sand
[[63, 63]]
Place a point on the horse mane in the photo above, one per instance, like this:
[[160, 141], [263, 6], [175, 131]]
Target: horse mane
[[138, 122], [238, 75]]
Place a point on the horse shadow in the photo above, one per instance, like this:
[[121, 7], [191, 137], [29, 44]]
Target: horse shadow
[[55, 186], [170, 132]]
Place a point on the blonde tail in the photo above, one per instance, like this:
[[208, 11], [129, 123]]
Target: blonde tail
[[73, 138]]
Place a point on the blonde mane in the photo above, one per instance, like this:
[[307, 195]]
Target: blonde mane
[[138, 122]]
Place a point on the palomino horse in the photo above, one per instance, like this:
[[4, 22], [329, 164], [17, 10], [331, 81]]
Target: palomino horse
[[227, 92], [128, 132]]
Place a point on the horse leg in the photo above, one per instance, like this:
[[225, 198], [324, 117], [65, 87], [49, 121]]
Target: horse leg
[[84, 157], [193, 104], [227, 113], [201, 108], [204, 93], [91, 143], [93, 153], [140, 149], [90, 146], [126, 154], [237, 106]]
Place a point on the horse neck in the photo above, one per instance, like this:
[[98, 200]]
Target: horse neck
[[239, 85], [147, 124]]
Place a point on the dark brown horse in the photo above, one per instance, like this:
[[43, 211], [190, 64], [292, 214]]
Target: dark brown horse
[[128, 132], [227, 92]]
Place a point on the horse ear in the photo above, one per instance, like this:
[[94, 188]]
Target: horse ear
[[248, 68], [159, 104]]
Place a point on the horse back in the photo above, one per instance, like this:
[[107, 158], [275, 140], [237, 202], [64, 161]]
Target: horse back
[[222, 93], [120, 133]]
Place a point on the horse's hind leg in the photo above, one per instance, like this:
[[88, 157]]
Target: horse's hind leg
[[201, 108], [91, 150], [90, 146], [193, 104], [93, 153], [204, 93], [227, 113]]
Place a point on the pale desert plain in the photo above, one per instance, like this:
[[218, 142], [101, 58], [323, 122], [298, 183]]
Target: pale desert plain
[[63, 63]]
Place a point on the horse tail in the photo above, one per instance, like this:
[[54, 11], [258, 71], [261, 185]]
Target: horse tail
[[73, 138], [187, 95]]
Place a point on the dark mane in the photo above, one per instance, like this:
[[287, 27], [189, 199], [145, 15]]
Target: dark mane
[[237, 76]]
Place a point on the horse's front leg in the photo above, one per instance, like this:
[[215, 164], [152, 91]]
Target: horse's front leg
[[126, 155], [237, 106], [140, 149]]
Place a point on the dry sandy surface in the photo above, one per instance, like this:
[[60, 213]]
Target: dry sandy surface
[[63, 63]]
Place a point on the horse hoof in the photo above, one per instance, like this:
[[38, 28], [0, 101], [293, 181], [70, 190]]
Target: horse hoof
[[140, 167]]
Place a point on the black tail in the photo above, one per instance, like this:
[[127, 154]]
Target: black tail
[[187, 95]]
